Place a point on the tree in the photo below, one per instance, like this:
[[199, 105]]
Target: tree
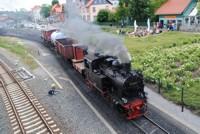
[[103, 16], [112, 17], [154, 5], [54, 2], [122, 13], [133, 10], [45, 10], [198, 8], [139, 9]]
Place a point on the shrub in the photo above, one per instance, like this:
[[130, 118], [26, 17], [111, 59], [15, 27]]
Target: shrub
[[103, 16]]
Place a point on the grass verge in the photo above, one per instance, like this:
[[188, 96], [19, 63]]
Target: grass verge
[[15, 46]]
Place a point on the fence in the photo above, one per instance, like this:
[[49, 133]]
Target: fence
[[129, 24], [191, 24], [165, 86]]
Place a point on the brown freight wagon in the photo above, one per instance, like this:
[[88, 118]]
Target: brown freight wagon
[[64, 48], [79, 53], [46, 34]]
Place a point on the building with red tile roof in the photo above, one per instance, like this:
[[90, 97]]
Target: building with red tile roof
[[173, 7], [57, 12], [91, 8], [35, 12], [175, 11]]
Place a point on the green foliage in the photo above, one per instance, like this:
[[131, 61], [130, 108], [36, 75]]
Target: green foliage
[[154, 5], [138, 10], [122, 13], [130, 10], [104, 16], [198, 7], [134, 9], [112, 17], [45, 10], [54, 2], [174, 57]]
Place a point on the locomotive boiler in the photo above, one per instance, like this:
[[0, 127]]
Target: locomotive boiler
[[123, 87]]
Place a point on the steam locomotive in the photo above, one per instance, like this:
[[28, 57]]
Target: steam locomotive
[[121, 86]]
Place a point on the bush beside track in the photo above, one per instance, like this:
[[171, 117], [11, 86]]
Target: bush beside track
[[171, 59], [16, 47]]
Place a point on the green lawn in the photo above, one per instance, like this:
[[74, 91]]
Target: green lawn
[[15, 46], [174, 58], [167, 39], [114, 29]]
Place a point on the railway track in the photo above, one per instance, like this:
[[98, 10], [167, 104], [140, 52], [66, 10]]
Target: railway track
[[148, 126], [27, 115]]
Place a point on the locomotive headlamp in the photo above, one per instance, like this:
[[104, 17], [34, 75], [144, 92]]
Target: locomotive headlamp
[[138, 107]]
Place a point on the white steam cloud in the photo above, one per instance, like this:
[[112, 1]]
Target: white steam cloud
[[91, 35]]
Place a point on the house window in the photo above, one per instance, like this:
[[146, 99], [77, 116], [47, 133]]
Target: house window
[[198, 20], [179, 22], [186, 20], [94, 9]]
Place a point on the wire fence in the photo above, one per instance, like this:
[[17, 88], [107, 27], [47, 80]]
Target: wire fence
[[118, 24]]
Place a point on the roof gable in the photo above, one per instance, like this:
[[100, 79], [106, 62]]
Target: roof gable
[[173, 7], [97, 2], [57, 8], [36, 8]]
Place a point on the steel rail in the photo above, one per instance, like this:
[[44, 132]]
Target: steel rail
[[13, 108], [21, 87], [141, 129], [156, 124], [151, 121]]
